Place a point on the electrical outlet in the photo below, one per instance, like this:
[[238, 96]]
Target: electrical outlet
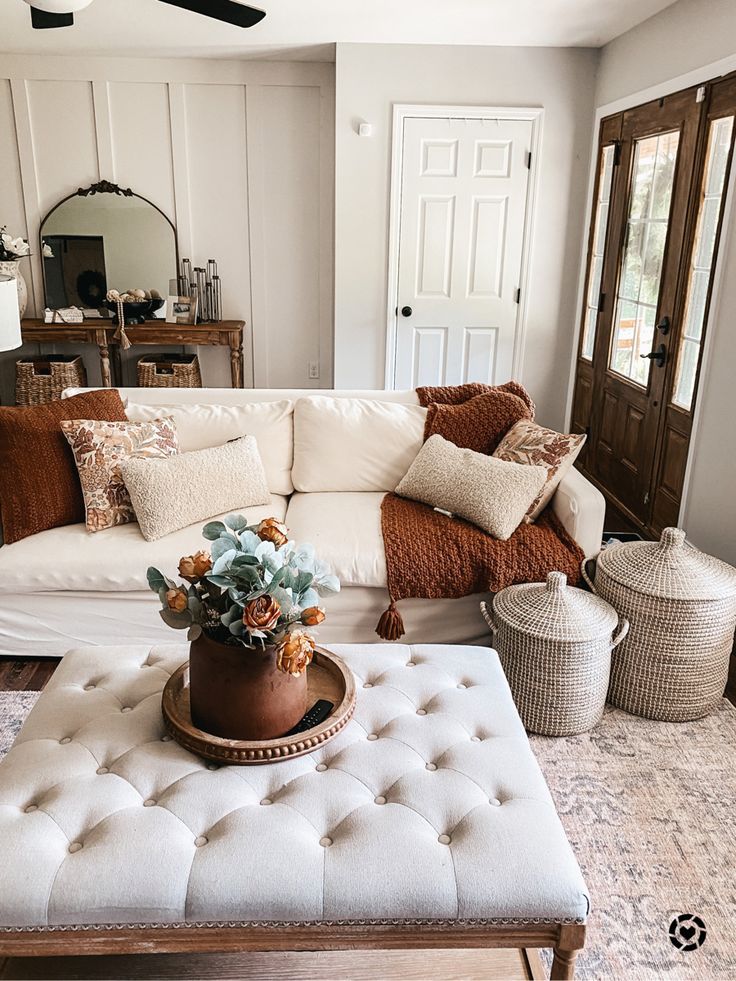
[[313, 368]]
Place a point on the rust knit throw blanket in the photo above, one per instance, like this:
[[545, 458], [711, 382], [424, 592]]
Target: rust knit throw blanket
[[432, 556]]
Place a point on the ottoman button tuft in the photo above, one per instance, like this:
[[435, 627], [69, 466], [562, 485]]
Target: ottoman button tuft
[[475, 739], [76, 846], [372, 737], [462, 686], [201, 840], [421, 711], [126, 708], [165, 739], [321, 767], [325, 842], [212, 766], [65, 740], [431, 766], [380, 800], [149, 803], [495, 801], [31, 808], [368, 684], [444, 839], [89, 687], [102, 769], [266, 801], [411, 664]]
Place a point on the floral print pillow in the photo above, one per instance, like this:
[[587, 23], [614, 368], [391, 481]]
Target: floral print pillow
[[526, 442], [99, 448]]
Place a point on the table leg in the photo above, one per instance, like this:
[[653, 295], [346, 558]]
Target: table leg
[[105, 364], [236, 358]]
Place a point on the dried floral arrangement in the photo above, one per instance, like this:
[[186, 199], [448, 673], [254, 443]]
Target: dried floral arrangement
[[254, 588], [12, 249]]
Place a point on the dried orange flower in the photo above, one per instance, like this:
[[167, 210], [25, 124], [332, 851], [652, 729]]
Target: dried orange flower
[[294, 653], [313, 616], [272, 530], [176, 599], [262, 613], [193, 567]]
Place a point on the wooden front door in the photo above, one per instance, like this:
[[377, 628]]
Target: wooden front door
[[658, 208]]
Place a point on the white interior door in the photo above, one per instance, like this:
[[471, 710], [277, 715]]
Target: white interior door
[[461, 234]]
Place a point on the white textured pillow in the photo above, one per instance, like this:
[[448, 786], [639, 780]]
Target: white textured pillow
[[347, 444], [201, 425], [491, 493], [199, 485]]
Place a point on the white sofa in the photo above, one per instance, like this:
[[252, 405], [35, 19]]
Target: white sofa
[[329, 456]]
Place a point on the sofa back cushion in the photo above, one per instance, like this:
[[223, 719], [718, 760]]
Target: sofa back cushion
[[200, 426], [354, 444]]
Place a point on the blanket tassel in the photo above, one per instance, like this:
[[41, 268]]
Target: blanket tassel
[[390, 626]]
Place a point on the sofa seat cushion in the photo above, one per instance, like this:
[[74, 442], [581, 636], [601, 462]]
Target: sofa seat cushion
[[113, 560], [345, 530]]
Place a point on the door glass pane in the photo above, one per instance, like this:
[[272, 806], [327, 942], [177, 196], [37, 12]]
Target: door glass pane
[[652, 181], [598, 245], [701, 263]]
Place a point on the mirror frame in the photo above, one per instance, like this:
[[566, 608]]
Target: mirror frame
[[102, 187]]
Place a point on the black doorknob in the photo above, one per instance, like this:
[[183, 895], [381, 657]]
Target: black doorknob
[[660, 355], [406, 311]]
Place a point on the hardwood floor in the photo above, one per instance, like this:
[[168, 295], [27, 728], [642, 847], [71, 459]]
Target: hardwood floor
[[18, 675]]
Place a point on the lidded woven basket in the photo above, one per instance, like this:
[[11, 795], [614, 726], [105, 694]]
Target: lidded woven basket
[[555, 642], [681, 603]]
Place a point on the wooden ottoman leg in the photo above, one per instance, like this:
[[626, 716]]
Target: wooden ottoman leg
[[570, 941]]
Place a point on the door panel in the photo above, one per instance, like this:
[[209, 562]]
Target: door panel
[[642, 331], [463, 209]]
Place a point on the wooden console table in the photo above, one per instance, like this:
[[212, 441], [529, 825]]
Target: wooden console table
[[226, 333]]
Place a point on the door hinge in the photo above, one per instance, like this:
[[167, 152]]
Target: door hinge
[[617, 152], [601, 301], [646, 498], [517, 298], [700, 94], [529, 160]]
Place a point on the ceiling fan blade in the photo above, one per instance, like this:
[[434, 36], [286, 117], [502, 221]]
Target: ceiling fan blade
[[225, 10], [42, 20]]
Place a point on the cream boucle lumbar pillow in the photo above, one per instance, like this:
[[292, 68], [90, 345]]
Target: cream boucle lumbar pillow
[[193, 486], [492, 494]]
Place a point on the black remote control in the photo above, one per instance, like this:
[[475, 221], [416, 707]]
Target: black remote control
[[318, 713]]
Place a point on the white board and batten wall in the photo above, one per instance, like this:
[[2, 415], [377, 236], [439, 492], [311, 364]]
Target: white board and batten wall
[[238, 154]]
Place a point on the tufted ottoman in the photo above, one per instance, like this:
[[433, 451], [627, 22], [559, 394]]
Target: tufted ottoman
[[425, 823]]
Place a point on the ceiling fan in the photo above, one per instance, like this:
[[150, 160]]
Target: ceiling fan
[[60, 13]]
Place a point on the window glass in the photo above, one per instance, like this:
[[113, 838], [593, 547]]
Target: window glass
[[600, 228]]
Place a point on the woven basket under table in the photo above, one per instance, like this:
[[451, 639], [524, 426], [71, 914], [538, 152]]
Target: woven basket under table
[[43, 379], [681, 603], [554, 642], [169, 371]]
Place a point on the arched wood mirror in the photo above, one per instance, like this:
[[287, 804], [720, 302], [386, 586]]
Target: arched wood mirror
[[106, 237]]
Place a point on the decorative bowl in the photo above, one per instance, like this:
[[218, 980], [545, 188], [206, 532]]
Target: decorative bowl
[[135, 313]]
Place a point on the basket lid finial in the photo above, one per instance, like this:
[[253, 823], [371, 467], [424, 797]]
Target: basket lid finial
[[673, 538], [556, 581]]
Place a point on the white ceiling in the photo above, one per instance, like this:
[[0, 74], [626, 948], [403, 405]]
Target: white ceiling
[[307, 29]]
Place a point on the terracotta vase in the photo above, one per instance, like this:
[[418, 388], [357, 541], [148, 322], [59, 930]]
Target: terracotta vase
[[239, 693], [11, 267]]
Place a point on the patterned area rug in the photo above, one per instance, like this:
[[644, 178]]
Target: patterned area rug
[[650, 810]]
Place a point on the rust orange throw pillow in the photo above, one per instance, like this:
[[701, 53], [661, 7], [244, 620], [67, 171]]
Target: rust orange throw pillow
[[39, 484], [478, 424]]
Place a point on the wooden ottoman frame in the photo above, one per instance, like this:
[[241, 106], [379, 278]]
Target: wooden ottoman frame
[[565, 938]]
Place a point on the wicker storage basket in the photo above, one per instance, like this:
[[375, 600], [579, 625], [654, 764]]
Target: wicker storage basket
[[681, 603], [43, 379], [169, 371], [555, 644]]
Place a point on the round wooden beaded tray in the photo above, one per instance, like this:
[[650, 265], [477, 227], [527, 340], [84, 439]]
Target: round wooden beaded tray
[[328, 677]]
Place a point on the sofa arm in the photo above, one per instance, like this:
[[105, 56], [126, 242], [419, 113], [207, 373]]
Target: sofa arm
[[581, 508]]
